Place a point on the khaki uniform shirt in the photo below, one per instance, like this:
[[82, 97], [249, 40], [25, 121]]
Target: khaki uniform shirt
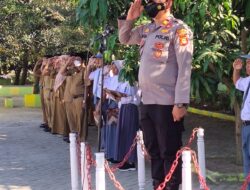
[[74, 86], [166, 55], [47, 84]]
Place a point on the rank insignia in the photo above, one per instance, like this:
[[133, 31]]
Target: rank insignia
[[183, 40], [165, 22], [183, 36], [157, 53], [182, 32], [159, 45], [146, 30], [164, 30]]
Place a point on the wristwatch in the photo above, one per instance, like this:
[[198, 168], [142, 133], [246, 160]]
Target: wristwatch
[[181, 105]]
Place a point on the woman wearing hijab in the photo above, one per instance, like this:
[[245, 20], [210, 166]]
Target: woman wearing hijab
[[111, 109], [128, 124]]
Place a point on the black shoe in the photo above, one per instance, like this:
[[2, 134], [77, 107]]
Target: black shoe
[[173, 187], [112, 161], [43, 125], [47, 129], [66, 139], [127, 167]]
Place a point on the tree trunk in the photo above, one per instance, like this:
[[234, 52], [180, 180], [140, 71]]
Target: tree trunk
[[24, 75], [25, 69], [17, 75], [244, 36], [36, 88], [238, 133]]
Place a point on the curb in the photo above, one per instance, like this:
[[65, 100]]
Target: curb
[[32, 101], [211, 114]]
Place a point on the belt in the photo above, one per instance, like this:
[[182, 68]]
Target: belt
[[78, 96], [246, 123]]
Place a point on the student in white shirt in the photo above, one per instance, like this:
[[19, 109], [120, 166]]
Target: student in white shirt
[[128, 124], [243, 84]]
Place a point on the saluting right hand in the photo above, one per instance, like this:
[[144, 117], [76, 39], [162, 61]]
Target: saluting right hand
[[135, 10], [92, 62], [237, 64]]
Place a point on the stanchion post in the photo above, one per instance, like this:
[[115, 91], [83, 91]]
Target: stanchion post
[[186, 170], [140, 162], [84, 171], [201, 153], [73, 162], [100, 171]]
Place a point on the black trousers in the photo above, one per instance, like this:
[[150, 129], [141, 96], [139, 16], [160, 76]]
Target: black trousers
[[162, 138]]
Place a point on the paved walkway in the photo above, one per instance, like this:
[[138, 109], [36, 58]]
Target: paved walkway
[[31, 159]]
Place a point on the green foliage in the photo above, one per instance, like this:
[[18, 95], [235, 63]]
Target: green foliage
[[98, 13], [5, 81], [242, 7], [32, 29], [130, 70], [216, 41]]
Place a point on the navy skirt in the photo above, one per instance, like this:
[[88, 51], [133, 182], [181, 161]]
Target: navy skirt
[[128, 125]]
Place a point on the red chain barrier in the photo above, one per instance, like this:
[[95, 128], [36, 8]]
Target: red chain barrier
[[246, 182], [174, 165], [78, 152], [172, 169], [198, 171], [114, 168], [145, 152], [112, 176], [192, 137], [90, 161]]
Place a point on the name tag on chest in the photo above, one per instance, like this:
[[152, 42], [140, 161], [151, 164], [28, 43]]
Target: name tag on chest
[[162, 37]]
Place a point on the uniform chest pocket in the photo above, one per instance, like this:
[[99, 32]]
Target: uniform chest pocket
[[159, 49]]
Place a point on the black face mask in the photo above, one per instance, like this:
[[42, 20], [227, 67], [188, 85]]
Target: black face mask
[[152, 9]]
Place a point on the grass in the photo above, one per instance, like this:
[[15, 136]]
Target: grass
[[5, 81]]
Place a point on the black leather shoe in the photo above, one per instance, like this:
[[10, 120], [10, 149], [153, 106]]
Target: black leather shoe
[[66, 139], [47, 129], [43, 125]]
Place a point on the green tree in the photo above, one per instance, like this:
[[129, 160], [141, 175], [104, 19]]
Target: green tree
[[32, 29]]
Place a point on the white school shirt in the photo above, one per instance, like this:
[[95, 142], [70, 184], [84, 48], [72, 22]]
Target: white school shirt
[[111, 83], [97, 80], [130, 91], [242, 84]]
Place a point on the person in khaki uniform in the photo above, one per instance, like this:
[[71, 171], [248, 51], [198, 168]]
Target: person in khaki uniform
[[47, 92], [38, 74], [60, 124], [166, 49], [74, 70]]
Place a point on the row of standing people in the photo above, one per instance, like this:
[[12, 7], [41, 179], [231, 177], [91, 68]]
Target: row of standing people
[[119, 111], [62, 82], [62, 92]]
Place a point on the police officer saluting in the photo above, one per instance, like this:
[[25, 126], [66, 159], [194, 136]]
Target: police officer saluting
[[166, 50]]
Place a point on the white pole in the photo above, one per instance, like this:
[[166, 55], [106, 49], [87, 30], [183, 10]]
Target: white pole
[[201, 153], [73, 162], [100, 171], [186, 171], [84, 165], [141, 162]]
